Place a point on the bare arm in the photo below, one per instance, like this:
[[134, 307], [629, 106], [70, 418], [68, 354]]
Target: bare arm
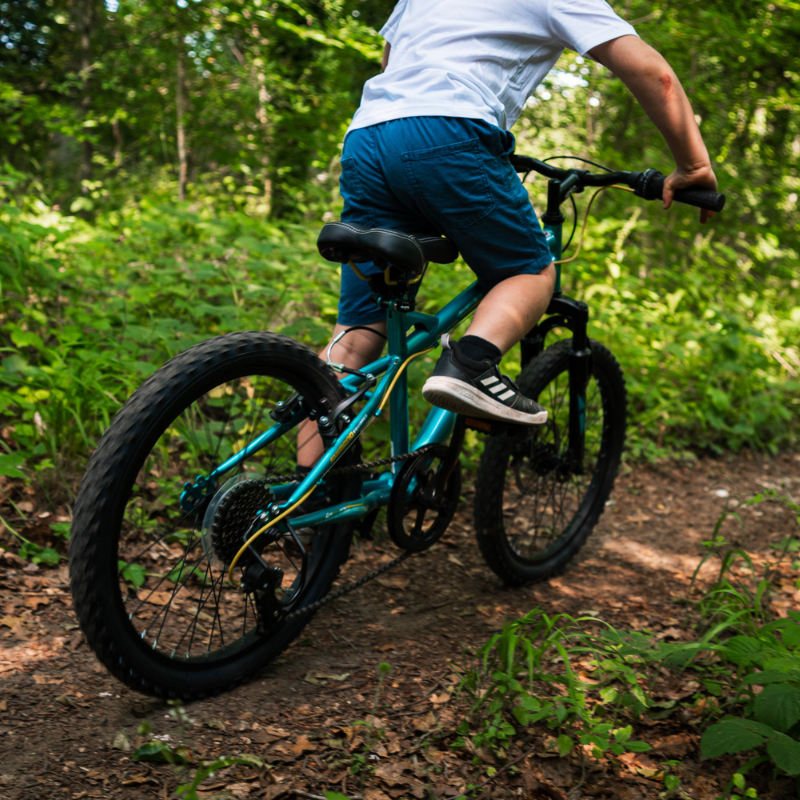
[[385, 60], [657, 88]]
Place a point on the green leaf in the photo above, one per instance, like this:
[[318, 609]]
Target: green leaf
[[133, 573], [564, 744], [733, 735], [672, 783], [10, 466], [778, 706], [622, 735], [638, 747], [785, 752], [770, 676], [60, 529], [46, 556], [160, 753], [81, 204], [335, 796]]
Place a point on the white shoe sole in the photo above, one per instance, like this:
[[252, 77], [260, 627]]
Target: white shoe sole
[[460, 397]]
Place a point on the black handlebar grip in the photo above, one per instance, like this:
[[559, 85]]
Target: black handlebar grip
[[650, 185], [702, 198]]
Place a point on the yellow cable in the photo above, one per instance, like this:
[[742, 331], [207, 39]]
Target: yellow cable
[[310, 491], [586, 219], [399, 373], [261, 530]]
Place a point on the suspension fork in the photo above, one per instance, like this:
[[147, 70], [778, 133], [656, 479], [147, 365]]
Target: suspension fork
[[564, 312]]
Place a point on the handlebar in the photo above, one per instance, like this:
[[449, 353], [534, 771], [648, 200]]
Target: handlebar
[[648, 185]]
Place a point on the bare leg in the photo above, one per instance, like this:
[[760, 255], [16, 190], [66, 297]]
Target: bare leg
[[356, 350], [503, 317], [512, 308]]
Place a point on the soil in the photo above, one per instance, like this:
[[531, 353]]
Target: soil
[[68, 729]]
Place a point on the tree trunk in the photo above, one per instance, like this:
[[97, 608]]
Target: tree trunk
[[263, 99], [180, 109], [86, 28]]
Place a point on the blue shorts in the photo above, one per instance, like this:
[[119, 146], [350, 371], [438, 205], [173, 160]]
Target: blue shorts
[[442, 175]]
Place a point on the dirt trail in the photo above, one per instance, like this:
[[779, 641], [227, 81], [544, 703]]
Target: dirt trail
[[66, 726]]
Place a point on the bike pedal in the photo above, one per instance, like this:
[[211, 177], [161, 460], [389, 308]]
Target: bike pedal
[[496, 429]]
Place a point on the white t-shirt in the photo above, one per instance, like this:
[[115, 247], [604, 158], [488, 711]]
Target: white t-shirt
[[478, 59]]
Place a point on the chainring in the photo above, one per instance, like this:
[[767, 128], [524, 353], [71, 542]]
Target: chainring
[[421, 488]]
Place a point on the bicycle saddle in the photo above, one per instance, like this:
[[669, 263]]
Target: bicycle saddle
[[344, 241]]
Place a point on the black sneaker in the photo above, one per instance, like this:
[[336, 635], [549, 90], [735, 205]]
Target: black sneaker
[[477, 389]]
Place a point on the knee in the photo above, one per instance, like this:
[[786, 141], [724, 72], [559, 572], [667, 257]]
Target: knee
[[548, 276]]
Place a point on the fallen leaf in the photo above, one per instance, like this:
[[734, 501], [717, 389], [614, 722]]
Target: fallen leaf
[[240, 789], [439, 699], [342, 676], [302, 745], [384, 647], [121, 742], [3, 705], [25, 506], [394, 581], [652, 774], [137, 779], [35, 602], [43, 680], [215, 724], [455, 560], [15, 623], [425, 722], [391, 774], [398, 610], [375, 794], [65, 700], [154, 598]]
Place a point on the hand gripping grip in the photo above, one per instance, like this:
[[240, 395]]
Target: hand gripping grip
[[650, 185]]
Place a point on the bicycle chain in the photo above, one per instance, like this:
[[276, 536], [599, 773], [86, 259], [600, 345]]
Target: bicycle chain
[[329, 598]]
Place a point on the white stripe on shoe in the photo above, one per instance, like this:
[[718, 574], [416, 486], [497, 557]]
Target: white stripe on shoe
[[490, 380], [510, 393], [498, 388]]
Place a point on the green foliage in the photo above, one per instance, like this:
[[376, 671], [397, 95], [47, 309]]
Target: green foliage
[[525, 674], [747, 663], [189, 790], [162, 753]]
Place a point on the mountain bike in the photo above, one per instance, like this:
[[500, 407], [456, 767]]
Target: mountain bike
[[199, 549]]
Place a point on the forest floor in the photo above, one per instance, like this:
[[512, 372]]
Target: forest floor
[[68, 729]]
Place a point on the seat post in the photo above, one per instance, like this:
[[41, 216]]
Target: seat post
[[398, 402]]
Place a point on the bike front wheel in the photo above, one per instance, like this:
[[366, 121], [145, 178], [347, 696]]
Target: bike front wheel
[[533, 510], [149, 561]]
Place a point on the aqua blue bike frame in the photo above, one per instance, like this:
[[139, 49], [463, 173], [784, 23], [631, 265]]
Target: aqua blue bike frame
[[402, 346]]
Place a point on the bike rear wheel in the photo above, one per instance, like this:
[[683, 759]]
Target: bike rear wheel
[[152, 597], [532, 511]]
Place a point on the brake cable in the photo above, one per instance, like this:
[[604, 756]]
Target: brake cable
[[586, 220]]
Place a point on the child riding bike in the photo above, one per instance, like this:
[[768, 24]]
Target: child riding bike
[[427, 153]]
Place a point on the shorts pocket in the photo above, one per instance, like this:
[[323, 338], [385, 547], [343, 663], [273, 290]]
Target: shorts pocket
[[450, 183]]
